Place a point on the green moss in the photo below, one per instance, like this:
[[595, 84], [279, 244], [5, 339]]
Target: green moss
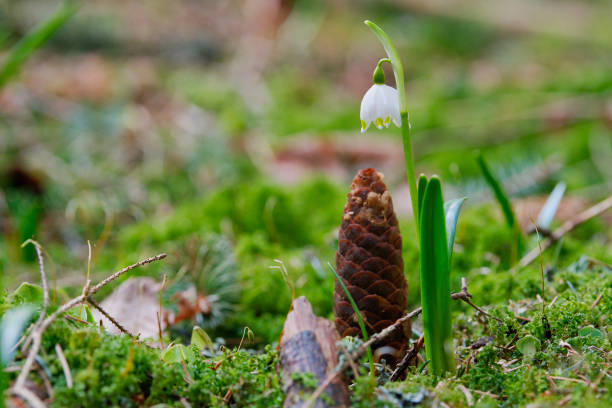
[[118, 371]]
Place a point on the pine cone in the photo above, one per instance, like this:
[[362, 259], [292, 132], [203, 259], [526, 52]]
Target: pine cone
[[369, 261]]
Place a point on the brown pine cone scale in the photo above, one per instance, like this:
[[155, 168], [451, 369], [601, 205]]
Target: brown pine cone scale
[[369, 261]]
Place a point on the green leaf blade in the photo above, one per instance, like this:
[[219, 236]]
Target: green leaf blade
[[498, 191], [35, 39], [201, 340], [364, 332], [451, 213], [177, 353], [435, 280], [504, 203]]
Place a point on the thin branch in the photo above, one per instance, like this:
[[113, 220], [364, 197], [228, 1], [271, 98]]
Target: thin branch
[[159, 314], [43, 280], [39, 330], [109, 317], [487, 393], [466, 296], [468, 395], [43, 276], [567, 226], [28, 396], [45, 381], [124, 270], [576, 380], [350, 360], [64, 363], [596, 302], [541, 264], [411, 355]]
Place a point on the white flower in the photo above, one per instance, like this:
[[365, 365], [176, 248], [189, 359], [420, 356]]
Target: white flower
[[379, 106]]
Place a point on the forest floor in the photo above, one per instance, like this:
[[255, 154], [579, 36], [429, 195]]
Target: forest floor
[[150, 138]]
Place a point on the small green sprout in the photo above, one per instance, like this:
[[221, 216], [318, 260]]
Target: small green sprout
[[364, 332]]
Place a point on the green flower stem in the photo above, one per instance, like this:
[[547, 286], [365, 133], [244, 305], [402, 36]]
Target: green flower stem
[[398, 71], [410, 168]]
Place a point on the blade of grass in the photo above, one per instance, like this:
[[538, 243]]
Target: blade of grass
[[451, 211], [435, 280], [364, 332], [504, 203], [498, 191], [35, 39]]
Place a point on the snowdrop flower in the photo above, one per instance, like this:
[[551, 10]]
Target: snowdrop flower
[[380, 104]]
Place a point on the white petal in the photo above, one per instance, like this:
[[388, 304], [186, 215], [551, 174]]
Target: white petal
[[368, 106], [379, 103], [392, 105]]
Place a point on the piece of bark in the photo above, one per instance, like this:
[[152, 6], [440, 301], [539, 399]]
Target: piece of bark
[[308, 345]]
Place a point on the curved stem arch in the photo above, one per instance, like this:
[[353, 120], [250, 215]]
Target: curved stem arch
[[398, 71]]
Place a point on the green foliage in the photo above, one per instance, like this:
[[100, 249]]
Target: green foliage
[[12, 326], [363, 393], [307, 380], [35, 39], [25, 209], [177, 353], [251, 377], [28, 293], [279, 214], [504, 203], [297, 228], [166, 185], [103, 375], [99, 365], [435, 280], [200, 339], [451, 215], [528, 346]]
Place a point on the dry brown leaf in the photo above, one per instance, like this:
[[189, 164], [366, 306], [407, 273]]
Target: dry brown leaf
[[134, 304]]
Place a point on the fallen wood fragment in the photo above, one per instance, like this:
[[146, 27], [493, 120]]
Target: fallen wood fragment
[[309, 346]]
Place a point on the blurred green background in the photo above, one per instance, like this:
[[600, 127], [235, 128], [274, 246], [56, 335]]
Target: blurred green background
[[168, 126]]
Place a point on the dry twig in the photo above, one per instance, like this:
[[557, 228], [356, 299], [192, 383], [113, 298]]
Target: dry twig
[[37, 332], [468, 395], [567, 226], [64, 363], [576, 380], [109, 317], [45, 288], [490, 394], [466, 296], [596, 302], [411, 355], [28, 396], [350, 360]]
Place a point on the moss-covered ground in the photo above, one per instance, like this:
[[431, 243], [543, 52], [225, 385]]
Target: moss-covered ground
[[171, 136]]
